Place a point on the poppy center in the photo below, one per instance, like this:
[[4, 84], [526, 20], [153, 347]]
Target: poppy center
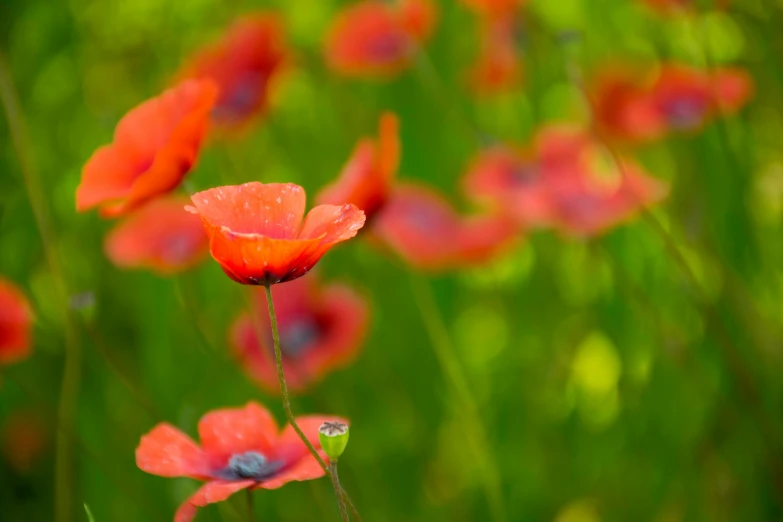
[[297, 335], [686, 112], [242, 98], [250, 465]]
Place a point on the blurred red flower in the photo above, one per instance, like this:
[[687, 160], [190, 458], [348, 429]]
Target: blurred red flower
[[499, 66], [241, 448], [321, 329], [420, 226], [15, 323], [256, 232], [155, 145], [366, 179], [567, 181], [23, 439], [373, 38], [637, 108], [494, 7], [244, 64], [161, 236]]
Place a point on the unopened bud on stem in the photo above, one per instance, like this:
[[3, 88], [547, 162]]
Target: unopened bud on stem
[[334, 438]]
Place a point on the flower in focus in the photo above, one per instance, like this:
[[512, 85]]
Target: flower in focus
[[241, 448], [161, 236], [563, 182], [23, 439], [373, 38], [499, 66], [321, 328], [637, 108], [256, 232], [244, 65], [15, 323], [155, 145], [420, 226], [366, 179]]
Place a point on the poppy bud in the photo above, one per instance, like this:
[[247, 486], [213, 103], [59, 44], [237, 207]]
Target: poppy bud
[[334, 438]]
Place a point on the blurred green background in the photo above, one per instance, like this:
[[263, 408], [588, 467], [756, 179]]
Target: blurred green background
[[609, 388]]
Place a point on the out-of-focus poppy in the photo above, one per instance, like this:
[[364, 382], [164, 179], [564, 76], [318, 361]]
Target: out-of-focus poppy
[[373, 38], [366, 179], [678, 98], [23, 439], [494, 7], [561, 183], [241, 448], [498, 67], [15, 323], [420, 226], [321, 329], [244, 64], [155, 145], [161, 236], [256, 232]]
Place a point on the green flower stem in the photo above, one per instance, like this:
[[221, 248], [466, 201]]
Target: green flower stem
[[338, 490]]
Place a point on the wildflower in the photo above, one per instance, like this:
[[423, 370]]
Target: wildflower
[[241, 448], [256, 232], [15, 323], [245, 65], [375, 39], [499, 66], [321, 328], [366, 179], [161, 236]]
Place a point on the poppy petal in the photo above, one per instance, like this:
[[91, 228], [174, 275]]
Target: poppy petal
[[237, 430], [15, 323], [307, 468], [167, 452], [209, 493], [97, 186]]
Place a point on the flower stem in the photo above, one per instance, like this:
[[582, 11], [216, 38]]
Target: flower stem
[[283, 386], [250, 514], [449, 363], [72, 368], [338, 490]]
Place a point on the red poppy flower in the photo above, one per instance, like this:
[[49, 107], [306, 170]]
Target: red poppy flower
[[241, 448], [499, 66], [372, 38], [560, 184], [161, 236], [367, 177], [244, 64], [420, 226], [256, 232], [155, 145], [321, 329], [15, 322]]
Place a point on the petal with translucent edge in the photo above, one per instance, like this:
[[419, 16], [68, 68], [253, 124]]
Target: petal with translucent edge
[[237, 430], [274, 210], [167, 452], [209, 493], [332, 223]]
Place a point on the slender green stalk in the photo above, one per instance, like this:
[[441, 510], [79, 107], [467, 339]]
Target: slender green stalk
[[449, 363], [338, 490], [250, 511], [72, 368], [287, 401]]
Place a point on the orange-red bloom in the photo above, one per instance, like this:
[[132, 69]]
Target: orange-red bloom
[[244, 64], [15, 323], [679, 98], [241, 448], [373, 38], [366, 179], [155, 145], [256, 232], [161, 236], [420, 226], [499, 66], [560, 183], [321, 329]]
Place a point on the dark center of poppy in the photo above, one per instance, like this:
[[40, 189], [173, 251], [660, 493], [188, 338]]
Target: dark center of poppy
[[250, 465], [387, 47], [297, 335], [685, 112], [242, 98]]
